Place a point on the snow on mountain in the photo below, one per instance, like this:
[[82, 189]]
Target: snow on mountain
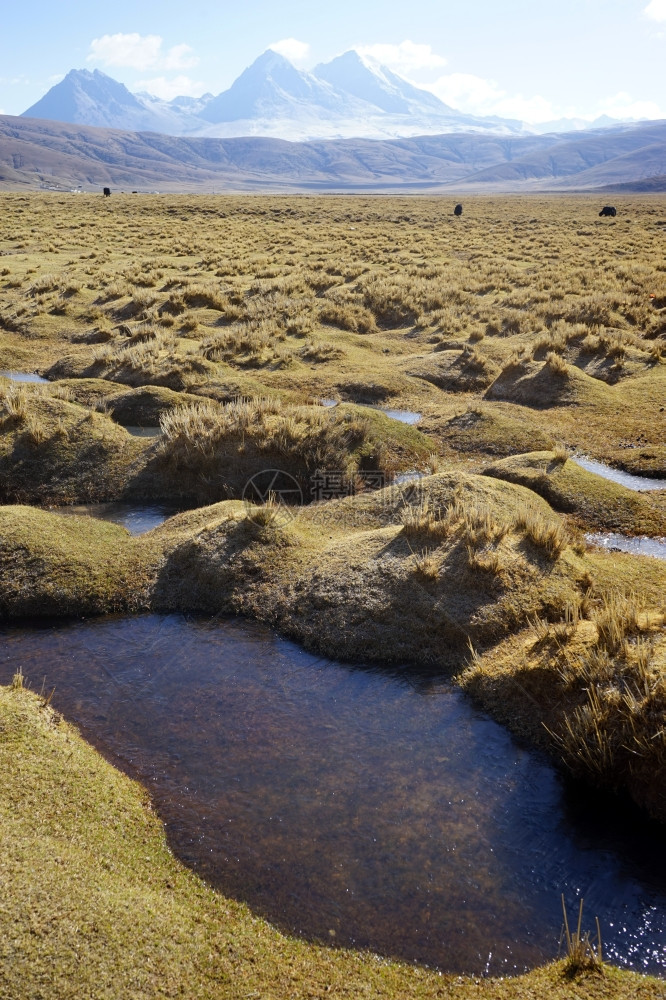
[[85, 98], [377, 85], [344, 98]]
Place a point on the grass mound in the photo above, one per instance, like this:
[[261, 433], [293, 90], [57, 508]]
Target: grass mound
[[213, 451], [53, 565], [546, 384], [145, 405], [54, 451], [596, 502], [136, 365], [454, 371], [348, 577], [482, 430]]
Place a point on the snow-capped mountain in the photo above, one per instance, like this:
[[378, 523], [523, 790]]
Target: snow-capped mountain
[[347, 97], [378, 86], [86, 98]]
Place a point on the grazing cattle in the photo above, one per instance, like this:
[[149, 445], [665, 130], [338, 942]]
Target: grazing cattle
[[107, 192], [608, 210], [457, 210]]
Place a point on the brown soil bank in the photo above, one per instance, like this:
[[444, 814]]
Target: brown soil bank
[[94, 904]]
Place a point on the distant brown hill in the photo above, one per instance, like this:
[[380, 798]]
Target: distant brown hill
[[39, 153]]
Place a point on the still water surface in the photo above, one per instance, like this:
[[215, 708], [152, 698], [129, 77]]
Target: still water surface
[[137, 518], [357, 806]]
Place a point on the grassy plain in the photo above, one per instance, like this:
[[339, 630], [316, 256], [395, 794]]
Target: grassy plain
[[525, 330]]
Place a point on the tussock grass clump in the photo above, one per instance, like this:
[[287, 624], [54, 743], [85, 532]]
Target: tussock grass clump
[[616, 732], [14, 405], [347, 316], [424, 520], [548, 535], [426, 564], [556, 364]]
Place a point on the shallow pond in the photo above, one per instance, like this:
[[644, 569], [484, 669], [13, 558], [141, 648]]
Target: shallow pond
[[137, 518], [352, 805], [641, 545], [639, 483], [23, 376]]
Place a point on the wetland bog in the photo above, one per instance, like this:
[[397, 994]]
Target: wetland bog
[[437, 506]]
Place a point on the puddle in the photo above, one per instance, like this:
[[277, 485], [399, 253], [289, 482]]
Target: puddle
[[640, 483], [24, 377], [137, 518], [360, 807], [640, 545], [411, 476], [144, 432], [404, 416]]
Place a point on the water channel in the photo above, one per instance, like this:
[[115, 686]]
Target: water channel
[[640, 483], [357, 806]]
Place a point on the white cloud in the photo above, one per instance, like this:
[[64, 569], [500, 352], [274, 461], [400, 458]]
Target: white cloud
[[292, 49], [167, 89], [139, 52], [656, 10], [622, 105], [407, 57], [180, 57], [478, 96]]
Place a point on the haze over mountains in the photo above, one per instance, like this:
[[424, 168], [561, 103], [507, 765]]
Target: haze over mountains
[[347, 97]]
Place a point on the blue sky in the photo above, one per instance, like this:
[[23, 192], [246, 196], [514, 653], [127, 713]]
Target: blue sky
[[536, 60]]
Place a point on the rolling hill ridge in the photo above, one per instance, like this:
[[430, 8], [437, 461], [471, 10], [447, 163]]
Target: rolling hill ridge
[[39, 153]]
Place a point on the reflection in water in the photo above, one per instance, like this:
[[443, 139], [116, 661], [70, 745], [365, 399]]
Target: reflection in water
[[639, 483], [137, 518], [640, 545], [352, 805]]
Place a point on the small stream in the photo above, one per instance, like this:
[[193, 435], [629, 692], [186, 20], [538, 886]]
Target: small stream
[[641, 545], [639, 483], [352, 805]]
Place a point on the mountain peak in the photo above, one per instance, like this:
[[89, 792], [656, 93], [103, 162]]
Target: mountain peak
[[369, 81]]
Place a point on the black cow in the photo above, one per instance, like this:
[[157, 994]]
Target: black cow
[[457, 210], [608, 210], [107, 192]]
